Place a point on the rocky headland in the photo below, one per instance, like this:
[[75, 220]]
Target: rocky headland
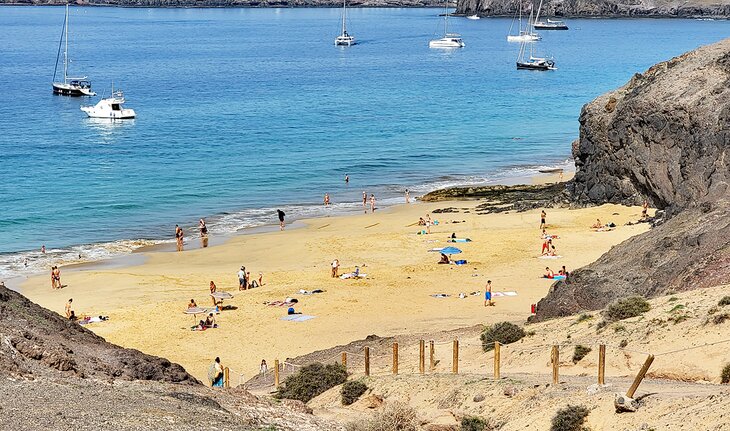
[[601, 8]]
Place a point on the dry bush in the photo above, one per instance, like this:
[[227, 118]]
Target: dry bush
[[311, 381], [570, 418], [624, 308], [580, 352], [503, 332], [396, 416], [725, 374], [724, 301], [351, 391]]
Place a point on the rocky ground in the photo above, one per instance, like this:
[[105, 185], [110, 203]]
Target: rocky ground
[[601, 8]]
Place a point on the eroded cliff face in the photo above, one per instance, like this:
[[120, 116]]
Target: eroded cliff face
[[599, 8], [665, 137]]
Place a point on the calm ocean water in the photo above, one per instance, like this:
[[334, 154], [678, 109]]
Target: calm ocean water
[[241, 111]]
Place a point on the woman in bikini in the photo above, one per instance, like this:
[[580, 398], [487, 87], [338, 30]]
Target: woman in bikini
[[213, 287]]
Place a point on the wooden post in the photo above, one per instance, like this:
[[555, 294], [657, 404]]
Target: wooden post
[[432, 363], [555, 357], [395, 358], [639, 377], [226, 381], [367, 361], [602, 364], [276, 373], [455, 357], [421, 356], [496, 360], [344, 360]]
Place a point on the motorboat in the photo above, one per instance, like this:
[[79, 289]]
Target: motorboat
[[110, 108], [344, 39], [450, 40], [474, 17], [69, 86], [531, 62], [550, 25]]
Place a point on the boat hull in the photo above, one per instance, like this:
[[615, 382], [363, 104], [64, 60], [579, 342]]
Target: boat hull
[[341, 41], [124, 114], [533, 66], [71, 90], [446, 43], [524, 38], [550, 27]]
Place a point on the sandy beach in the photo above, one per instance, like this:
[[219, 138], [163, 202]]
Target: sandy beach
[[145, 302]]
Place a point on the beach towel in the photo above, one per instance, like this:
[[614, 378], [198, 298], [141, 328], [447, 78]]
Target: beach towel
[[279, 303], [352, 275], [460, 240], [508, 293], [460, 262], [88, 320], [440, 295], [549, 257], [554, 277], [221, 295], [310, 292], [436, 249], [297, 317]]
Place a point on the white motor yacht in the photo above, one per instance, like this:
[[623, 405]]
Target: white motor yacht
[[450, 40], [110, 108]]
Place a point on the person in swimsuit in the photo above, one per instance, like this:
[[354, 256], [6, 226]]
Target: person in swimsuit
[[335, 268], [488, 294], [53, 277], [326, 199], [645, 209], [192, 304], [263, 368], [549, 273], [281, 215], [563, 271], [553, 252], [365, 200], [213, 287], [347, 179], [69, 312], [408, 196], [203, 228], [372, 203], [43, 249], [597, 224], [542, 219], [261, 278]]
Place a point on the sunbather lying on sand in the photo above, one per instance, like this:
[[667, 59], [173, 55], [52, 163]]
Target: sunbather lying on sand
[[192, 304], [355, 274], [285, 303]]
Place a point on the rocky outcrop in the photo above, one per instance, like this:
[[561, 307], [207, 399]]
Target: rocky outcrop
[[599, 8], [664, 137], [35, 342]]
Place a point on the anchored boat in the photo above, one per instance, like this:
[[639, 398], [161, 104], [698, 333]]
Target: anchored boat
[[69, 86], [110, 108]]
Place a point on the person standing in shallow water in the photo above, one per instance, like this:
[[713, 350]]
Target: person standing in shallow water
[[408, 196], [347, 179], [281, 215], [372, 203], [365, 201]]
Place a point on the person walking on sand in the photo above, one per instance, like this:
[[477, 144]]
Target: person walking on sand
[[69, 312], [215, 374], [326, 199], [372, 203], [335, 268], [488, 294], [644, 210], [281, 215], [542, 219], [408, 196], [242, 278]]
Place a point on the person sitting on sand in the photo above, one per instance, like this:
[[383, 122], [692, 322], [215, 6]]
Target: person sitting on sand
[[553, 252], [546, 246], [210, 321], [421, 221], [597, 225], [213, 288], [548, 273], [251, 283], [444, 259], [453, 235], [563, 271], [192, 304]]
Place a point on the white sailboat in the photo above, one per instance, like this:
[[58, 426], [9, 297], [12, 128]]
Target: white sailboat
[[527, 34], [110, 107], [69, 86], [531, 62], [550, 24], [344, 39], [450, 40]]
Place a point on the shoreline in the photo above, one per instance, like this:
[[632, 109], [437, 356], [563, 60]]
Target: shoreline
[[112, 252]]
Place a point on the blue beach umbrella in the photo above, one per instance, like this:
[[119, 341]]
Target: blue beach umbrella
[[450, 250]]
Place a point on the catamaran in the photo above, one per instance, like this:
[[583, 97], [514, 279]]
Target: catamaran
[[70, 86], [532, 62], [450, 40], [344, 39], [550, 24], [528, 34]]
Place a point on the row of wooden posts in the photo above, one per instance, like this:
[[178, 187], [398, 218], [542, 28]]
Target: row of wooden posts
[[554, 359]]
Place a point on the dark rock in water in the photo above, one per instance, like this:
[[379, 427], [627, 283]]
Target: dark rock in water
[[604, 8], [664, 137]]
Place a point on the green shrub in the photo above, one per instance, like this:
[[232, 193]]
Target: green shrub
[[720, 318], [583, 317], [311, 381], [624, 308], [474, 423], [725, 374], [396, 416], [724, 301], [351, 391], [580, 352], [503, 332], [570, 418]]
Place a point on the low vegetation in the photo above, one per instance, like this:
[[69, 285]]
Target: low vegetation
[[503, 332], [570, 418], [624, 308], [475, 423], [311, 381], [584, 317], [396, 416], [719, 319], [351, 391], [580, 352], [724, 301], [725, 374]]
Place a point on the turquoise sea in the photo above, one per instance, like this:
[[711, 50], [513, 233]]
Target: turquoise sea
[[242, 111]]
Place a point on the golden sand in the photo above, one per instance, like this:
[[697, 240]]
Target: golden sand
[[146, 302]]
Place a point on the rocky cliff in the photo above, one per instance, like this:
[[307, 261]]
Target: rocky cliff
[[600, 8], [665, 137]]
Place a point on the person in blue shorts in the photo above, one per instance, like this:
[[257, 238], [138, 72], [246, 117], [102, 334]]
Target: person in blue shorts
[[488, 294]]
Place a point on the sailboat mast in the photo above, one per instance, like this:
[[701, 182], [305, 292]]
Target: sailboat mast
[[344, 13], [65, 50], [446, 18], [537, 17], [520, 19]]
